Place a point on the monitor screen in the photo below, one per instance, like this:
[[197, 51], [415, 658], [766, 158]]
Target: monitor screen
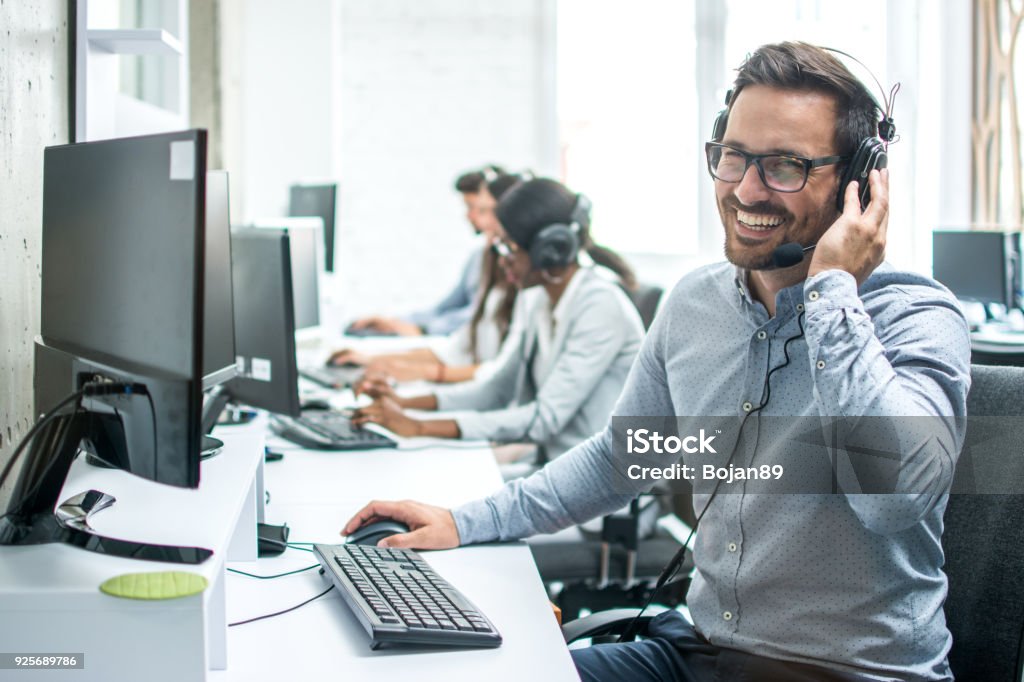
[[304, 276], [975, 265], [264, 321], [218, 318], [320, 201]]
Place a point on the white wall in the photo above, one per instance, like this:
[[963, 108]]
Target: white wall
[[423, 90], [33, 114]]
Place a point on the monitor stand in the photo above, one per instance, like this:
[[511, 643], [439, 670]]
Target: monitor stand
[[30, 518]]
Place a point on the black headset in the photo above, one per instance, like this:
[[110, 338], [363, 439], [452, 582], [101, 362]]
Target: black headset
[[871, 152], [557, 245]]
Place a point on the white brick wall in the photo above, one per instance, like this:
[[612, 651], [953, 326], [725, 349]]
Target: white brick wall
[[425, 89]]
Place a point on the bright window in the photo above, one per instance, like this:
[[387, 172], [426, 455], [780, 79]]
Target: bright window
[[627, 119]]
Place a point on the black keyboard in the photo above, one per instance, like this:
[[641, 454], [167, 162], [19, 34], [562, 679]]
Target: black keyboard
[[328, 430], [333, 377], [399, 599]]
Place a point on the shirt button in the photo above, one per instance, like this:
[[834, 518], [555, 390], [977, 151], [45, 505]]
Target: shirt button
[[732, 546], [820, 364], [762, 335], [813, 296], [747, 407], [799, 307], [727, 615]]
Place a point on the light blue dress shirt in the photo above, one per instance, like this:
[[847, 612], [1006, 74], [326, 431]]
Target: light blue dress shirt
[[850, 582]]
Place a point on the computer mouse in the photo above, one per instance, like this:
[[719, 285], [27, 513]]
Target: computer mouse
[[372, 533], [316, 404]]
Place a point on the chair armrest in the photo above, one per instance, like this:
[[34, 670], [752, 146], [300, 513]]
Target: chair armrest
[[610, 622]]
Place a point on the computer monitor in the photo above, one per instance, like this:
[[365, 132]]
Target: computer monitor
[[264, 321], [304, 277], [122, 320], [218, 318], [319, 200], [976, 265], [307, 266]]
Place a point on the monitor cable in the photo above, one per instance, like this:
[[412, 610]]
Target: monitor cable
[[90, 389], [271, 577], [278, 613]]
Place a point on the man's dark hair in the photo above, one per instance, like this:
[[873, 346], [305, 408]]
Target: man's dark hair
[[471, 182], [801, 66], [503, 183]]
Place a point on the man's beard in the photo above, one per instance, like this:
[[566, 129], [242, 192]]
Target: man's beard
[[738, 249]]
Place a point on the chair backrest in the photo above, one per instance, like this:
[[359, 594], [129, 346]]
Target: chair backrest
[[646, 298], [983, 538]]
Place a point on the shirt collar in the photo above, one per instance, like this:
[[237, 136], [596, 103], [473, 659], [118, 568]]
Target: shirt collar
[[786, 300], [565, 300]]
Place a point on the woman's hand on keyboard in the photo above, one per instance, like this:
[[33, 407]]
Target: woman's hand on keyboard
[[431, 527], [387, 413], [376, 387]]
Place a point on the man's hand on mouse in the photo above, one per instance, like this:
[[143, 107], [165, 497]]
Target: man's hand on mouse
[[431, 527]]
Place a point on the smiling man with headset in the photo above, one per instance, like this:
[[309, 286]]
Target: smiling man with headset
[[805, 320]]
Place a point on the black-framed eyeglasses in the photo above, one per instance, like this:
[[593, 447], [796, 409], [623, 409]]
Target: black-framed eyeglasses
[[778, 172]]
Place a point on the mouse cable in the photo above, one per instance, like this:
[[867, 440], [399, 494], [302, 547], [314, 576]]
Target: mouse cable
[[278, 613], [270, 577]]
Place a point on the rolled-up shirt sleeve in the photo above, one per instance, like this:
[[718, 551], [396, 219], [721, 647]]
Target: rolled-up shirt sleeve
[[907, 387]]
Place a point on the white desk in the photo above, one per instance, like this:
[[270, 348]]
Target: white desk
[[49, 594], [316, 492]]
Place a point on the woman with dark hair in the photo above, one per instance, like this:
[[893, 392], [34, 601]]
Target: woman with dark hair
[[573, 350], [474, 343]]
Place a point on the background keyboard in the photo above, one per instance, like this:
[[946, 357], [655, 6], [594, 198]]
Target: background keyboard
[[399, 599], [328, 430]]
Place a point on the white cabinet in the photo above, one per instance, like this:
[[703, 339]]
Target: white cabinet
[[49, 594]]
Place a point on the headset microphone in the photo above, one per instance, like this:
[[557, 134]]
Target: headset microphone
[[789, 254]]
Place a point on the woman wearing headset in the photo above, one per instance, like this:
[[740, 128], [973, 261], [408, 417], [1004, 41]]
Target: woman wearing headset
[[573, 349], [479, 340]]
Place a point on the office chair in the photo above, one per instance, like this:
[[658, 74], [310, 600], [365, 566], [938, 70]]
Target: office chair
[[646, 298], [618, 566], [1010, 356], [983, 540]]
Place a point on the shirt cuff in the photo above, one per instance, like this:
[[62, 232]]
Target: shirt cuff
[[471, 426], [830, 290], [475, 522]]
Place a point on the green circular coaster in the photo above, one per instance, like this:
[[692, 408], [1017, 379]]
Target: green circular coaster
[[156, 585]]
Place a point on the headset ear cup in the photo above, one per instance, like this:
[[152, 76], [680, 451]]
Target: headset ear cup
[[721, 121], [870, 154], [555, 246]]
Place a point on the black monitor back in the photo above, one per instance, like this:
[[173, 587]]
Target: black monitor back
[[320, 201], [976, 265], [219, 319], [264, 320], [123, 231], [122, 291]]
